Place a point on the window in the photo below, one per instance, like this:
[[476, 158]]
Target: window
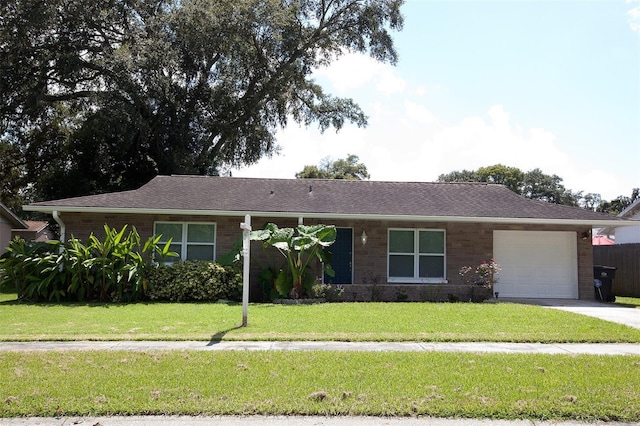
[[416, 255], [191, 240]]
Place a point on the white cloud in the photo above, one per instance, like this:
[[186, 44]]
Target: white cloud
[[634, 16], [418, 113], [474, 142], [411, 144], [355, 71]]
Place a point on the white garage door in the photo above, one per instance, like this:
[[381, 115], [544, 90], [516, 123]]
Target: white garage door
[[536, 264]]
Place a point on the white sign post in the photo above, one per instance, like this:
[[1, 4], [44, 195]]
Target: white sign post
[[246, 245]]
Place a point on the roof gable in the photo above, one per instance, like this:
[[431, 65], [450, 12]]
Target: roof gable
[[11, 217], [327, 198]]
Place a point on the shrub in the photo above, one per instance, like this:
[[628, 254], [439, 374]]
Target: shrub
[[33, 269], [113, 269], [486, 274], [327, 291], [299, 247], [195, 281]]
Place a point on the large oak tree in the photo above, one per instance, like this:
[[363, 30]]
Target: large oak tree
[[102, 95]]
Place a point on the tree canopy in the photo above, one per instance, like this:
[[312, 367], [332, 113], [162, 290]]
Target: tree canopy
[[102, 95], [345, 168], [533, 184], [617, 205]]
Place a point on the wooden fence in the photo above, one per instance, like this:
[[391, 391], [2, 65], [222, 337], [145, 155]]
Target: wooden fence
[[625, 257]]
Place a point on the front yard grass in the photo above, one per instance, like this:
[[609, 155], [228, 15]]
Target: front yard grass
[[474, 385], [628, 301], [320, 383], [452, 322]]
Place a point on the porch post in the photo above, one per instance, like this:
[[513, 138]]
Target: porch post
[[246, 229]]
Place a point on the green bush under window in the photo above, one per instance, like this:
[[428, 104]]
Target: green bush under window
[[195, 281]]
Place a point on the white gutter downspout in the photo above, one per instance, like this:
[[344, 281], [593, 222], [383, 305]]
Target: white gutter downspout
[[63, 228]]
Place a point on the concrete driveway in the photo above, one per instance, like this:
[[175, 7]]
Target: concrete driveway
[[606, 311]]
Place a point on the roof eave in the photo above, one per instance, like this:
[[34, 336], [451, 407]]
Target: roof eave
[[631, 209], [337, 216], [16, 222]]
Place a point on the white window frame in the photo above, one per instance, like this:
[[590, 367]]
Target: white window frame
[[184, 244], [416, 257]]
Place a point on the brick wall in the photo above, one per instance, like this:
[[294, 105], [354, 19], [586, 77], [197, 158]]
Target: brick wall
[[467, 244]]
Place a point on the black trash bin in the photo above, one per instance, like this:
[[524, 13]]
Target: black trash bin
[[603, 281]]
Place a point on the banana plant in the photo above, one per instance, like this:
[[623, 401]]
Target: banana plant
[[299, 247]]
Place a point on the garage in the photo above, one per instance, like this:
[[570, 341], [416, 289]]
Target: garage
[[536, 264]]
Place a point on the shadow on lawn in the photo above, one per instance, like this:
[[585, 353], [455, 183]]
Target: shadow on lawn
[[626, 305], [217, 338]]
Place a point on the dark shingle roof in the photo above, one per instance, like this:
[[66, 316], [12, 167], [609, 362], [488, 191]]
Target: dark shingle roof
[[333, 198]]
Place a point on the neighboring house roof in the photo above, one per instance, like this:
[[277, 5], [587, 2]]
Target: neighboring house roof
[[632, 210], [14, 220], [36, 225], [326, 198], [37, 231]]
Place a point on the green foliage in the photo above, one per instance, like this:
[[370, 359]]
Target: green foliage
[[617, 205], [33, 269], [533, 184], [195, 281], [331, 293], [540, 186], [103, 95], [112, 269], [12, 179], [299, 247], [348, 168], [267, 281]]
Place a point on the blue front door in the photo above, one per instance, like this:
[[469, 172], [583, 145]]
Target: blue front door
[[342, 257]]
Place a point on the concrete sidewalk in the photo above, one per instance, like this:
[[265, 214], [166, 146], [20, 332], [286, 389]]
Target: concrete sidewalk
[[289, 420], [477, 347]]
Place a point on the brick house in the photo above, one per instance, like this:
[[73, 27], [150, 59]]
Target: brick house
[[394, 238]]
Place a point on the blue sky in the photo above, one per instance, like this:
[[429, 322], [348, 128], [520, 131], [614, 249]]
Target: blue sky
[[553, 85]]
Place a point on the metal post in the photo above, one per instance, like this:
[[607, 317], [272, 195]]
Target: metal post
[[246, 229]]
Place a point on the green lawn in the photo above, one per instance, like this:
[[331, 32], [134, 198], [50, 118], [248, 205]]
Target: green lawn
[[96, 383], [320, 383], [500, 322], [628, 301]]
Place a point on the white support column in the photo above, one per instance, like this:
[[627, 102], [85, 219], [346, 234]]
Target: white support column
[[246, 247]]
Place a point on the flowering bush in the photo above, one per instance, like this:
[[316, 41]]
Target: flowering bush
[[485, 274], [327, 291]]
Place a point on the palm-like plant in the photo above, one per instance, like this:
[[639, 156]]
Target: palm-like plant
[[299, 247]]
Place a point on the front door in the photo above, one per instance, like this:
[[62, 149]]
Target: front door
[[342, 257]]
